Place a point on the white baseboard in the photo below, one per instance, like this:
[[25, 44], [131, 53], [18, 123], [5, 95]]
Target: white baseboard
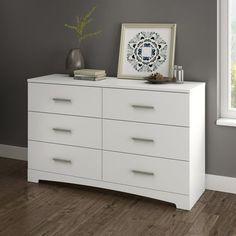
[[221, 183], [13, 152], [213, 182]]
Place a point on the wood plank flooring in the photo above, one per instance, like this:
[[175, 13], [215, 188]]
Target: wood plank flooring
[[68, 210]]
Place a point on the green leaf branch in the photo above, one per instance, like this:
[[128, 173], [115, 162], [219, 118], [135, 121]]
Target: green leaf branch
[[81, 24]]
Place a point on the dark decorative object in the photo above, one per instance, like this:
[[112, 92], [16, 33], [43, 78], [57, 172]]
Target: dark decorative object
[[74, 61], [157, 78]]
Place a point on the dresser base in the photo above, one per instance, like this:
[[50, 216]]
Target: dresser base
[[181, 201]]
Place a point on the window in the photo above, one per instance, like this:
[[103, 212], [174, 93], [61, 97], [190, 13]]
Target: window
[[227, 58]]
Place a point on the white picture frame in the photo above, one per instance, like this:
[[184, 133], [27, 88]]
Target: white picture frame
[[146, 49]]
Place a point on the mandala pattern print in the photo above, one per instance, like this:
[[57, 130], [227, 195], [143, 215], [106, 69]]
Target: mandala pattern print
[[147, 51]]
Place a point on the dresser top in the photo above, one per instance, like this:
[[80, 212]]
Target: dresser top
[[112, 82]]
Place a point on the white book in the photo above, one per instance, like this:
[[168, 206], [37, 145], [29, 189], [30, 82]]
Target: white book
[[90, 72], [92, 78]]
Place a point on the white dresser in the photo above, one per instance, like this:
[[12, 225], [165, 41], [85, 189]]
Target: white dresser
[[124, 135]]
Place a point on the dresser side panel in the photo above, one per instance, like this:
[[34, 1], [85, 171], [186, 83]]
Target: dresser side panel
[[197, 143]]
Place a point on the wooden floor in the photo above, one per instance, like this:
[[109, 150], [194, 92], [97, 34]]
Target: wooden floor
[[62, 209]]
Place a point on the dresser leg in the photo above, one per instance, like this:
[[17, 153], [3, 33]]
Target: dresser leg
[[183, 205], [32, 177], [33, 180]]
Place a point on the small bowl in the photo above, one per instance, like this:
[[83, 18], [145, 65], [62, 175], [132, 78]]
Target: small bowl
[[155, 81]]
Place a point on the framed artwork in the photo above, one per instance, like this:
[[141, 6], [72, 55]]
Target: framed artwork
[[146, 49]]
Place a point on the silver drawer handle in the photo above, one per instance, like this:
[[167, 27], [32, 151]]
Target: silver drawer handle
[[143, 140], [62, 130], [143, 107], [62, 100], [142, 172], [62, 160]]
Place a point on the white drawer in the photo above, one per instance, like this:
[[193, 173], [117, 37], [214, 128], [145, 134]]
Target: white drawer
[[80, 162], [146, 139], [71, 100], [147, 172], [146, 106], [71, 130]]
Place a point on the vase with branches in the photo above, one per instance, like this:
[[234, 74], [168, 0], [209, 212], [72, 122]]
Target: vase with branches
[[75, 59]]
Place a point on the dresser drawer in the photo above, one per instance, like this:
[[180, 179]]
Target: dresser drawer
[[147, 172], [71, 130], [146, 139], [146, 106], [71, 100], [80, 162]]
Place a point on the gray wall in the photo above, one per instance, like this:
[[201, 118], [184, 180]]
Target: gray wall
[[34, 42]]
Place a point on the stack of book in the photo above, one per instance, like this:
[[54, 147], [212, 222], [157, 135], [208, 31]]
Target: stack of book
[[89, 74]]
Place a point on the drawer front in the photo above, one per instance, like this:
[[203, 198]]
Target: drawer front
[[147, 172], [80, 162], [146, 139], [70, 100], [71, 130], [146, 106]]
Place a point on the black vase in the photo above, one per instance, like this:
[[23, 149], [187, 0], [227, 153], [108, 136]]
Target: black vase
[[74, 61]]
